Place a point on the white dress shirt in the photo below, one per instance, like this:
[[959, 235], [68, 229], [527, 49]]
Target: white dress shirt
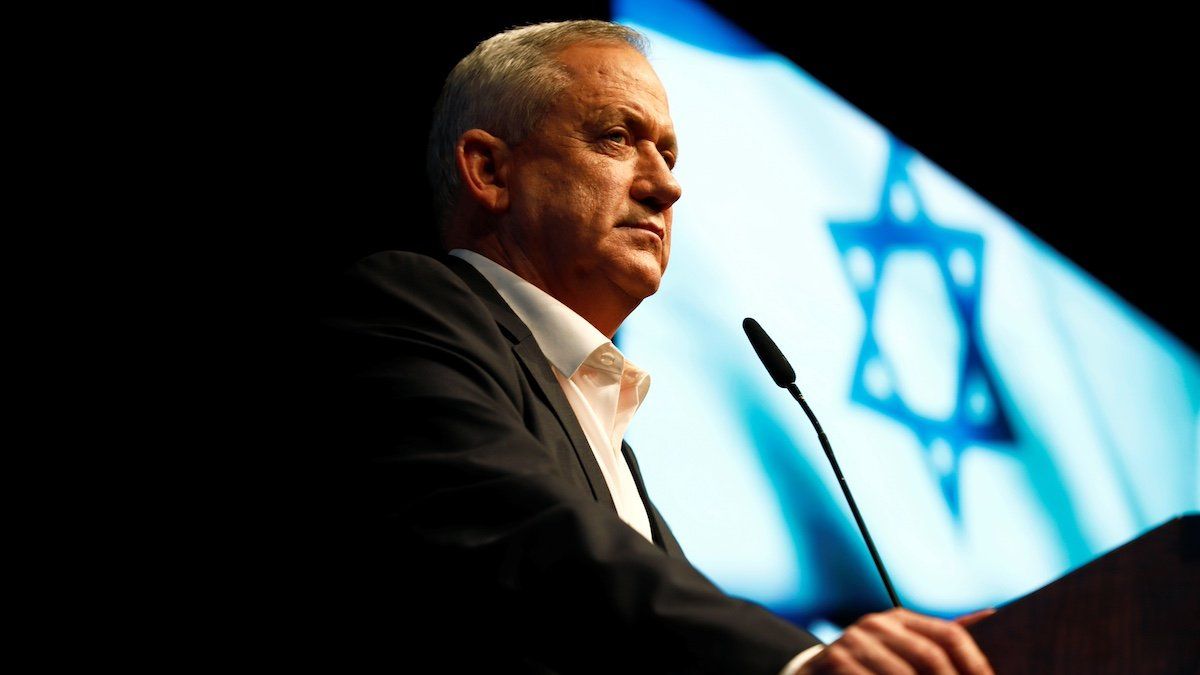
[[603, 387]]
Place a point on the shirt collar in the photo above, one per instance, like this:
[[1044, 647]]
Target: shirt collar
[[566, 338]]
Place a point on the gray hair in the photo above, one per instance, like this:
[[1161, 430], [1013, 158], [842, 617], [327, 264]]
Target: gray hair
[[505, 86]]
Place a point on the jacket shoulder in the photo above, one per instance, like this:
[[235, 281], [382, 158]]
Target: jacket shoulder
[[404, 290], [402, 273]]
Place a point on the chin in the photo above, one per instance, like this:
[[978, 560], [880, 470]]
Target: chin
[[640, 282]]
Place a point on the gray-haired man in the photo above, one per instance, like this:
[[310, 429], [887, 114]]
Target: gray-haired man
[[485, 494]]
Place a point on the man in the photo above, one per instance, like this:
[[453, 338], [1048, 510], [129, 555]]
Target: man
[[483, 510]]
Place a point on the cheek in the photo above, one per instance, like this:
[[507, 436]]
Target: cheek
[[587, 195]]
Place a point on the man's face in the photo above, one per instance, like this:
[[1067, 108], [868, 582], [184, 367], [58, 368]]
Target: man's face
[[591, 187]]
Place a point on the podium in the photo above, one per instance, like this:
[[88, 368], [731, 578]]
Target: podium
[[1135, 609]]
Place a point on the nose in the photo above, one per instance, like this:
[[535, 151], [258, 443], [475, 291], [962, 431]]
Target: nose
[[654, 185]]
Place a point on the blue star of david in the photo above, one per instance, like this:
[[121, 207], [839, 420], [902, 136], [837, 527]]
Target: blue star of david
[[977, 414]]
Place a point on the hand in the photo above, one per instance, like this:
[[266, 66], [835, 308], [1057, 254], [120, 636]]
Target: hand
[[900, 641]]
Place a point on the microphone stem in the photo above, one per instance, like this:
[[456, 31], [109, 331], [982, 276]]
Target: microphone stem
[[837, 471]]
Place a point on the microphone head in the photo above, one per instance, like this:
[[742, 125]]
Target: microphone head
[[778, 366]]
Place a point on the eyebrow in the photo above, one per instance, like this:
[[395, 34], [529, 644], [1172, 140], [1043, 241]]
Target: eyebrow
[[638, 122]]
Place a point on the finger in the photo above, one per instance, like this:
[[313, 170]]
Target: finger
[[835, 659], [847, 657], [974, 617], [918, 651], [863, 641], [952, 638]]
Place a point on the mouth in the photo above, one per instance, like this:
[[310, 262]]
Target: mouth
[[647, 226]]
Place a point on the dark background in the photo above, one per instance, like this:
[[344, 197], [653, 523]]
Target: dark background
[[1074, 127]]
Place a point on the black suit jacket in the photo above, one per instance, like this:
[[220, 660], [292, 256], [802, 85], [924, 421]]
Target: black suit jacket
[[460, 512]]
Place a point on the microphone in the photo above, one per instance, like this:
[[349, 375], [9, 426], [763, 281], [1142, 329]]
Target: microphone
[[781, 371]]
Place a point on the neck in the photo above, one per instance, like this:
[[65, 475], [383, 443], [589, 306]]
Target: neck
[[595, 298]]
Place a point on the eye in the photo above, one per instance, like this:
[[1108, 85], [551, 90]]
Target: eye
[[618, 136]]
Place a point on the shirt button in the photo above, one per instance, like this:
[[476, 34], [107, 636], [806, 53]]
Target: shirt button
[[606, 359]]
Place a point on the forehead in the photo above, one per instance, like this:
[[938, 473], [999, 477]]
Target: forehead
[[612, 80]]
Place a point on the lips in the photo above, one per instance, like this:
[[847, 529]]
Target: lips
[[649, 227]]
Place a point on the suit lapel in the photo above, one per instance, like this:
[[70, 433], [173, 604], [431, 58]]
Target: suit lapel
[[540, 375], [658, 526]]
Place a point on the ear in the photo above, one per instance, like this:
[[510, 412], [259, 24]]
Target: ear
[[483, 163]]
